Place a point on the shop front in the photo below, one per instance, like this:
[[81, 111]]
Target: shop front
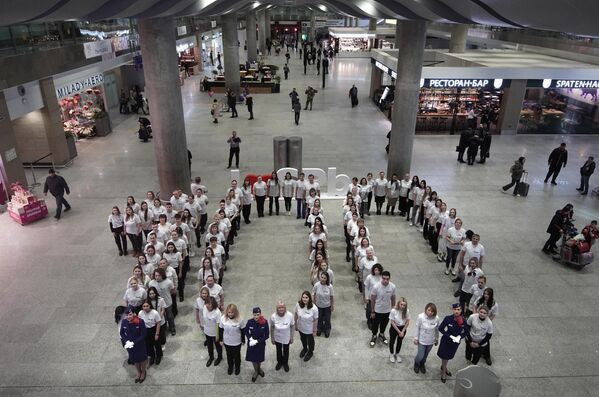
[[212, 44], [188, 56], [350, 41]]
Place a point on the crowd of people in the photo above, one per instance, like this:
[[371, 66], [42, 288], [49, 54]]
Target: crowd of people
[[177, 229]]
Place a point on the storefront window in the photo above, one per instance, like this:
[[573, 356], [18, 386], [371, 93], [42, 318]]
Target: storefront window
[[559, 111], [80, 111]]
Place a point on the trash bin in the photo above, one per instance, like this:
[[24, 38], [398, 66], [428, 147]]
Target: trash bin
[[280, 158], [295, 153], [475, 381]]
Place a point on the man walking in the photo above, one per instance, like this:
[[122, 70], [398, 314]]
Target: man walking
[[353, 95], [297, 108], [232, 102], [585, 173], [294, 97], [463, 145], [57, 186], [234, 142], [557, 159], [286, 71], [249, 102], [310, 92]]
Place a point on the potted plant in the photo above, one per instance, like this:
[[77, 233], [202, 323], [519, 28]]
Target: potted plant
[[70, 137], [277, 86], [102, 122]]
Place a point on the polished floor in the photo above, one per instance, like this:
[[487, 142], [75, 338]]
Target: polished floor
[[63, 279]]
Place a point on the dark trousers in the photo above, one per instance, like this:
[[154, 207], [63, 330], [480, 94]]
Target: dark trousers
[[260, 205], [472, 155], [286, 75], [451, 257], [301, 208], [409, 205], [584, 183], [379, 323], [473, 353], [272, 199], [379, 201], [307, 342], [211, 343], [512, 183], [461, 150], [393, 335], [282, 353], [123, 108], [464, 299], [120, 239], [287, 203], [251, 111], [551, 241], [203, 221], [297, 114], [246, 211], [403, 205], [324, 319], [234, 151], [369, 202], [233, 107], [233, 356], [60, 201], [153, 346], [198, 233], [309, 101], [553, 172], [135, 241]]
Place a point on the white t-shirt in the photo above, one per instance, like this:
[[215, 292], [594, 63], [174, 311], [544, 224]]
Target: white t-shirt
[[160, 306], [132, 224], [300, 189], [150, 318], [283, 326], [306, 318], [164, 290], [202, 201], [170, 216], [260, 189], [231, 330], [313, 238], [384, 295], [378, 186], [274, 189], [370, 282], [322, 294], [116, 220], [427, 329], [184, 227], [173, 259], [204, 273], [180, 244], [157, 211], [158, 250], [470, 278], [472, 251], [210, 321], [404, 188], [366, 266], [479, 329], [177, 203], [287, 187], [456, 235], [216, 291], [397, 316], [476, 294], [393, 189], [314, 186], [135, 297], [246, 195], [193, 208]]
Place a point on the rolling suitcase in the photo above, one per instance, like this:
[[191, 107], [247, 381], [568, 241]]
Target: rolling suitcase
[[523, 186]]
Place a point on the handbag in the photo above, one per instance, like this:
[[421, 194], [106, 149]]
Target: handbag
[[457, 148], [212, 112]]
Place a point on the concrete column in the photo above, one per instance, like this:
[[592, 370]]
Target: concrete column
[[459, 37], [376, 76], [371, 29], [345, 21], [407, 89], [250, 29], [267, 19], [312, 27], [50, 117], [231, 51], [397, 33], [157, 40], [198, 52], [12, 170], [261, 32], [511, 105]]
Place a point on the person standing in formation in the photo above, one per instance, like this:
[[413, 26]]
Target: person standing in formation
[[427, 335], [232, 336], [382, 300], [256, 333], [379, 187], [453, 330], [281, 328], [306, 323]]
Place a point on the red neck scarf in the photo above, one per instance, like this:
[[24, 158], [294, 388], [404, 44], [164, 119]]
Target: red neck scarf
[[135, 320], [261, 320], [459, 320]]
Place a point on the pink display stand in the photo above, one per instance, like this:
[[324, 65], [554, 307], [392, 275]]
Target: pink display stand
[[24, 207]]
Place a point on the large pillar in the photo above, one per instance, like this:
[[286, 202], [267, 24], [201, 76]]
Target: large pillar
[[312, 27], [267, 19], [10, 162], [397, 34], [371, 29], [459, 37], [231, 51], [250, 29], [261, 32], [407, 89], [157, 40], [376, 76], [50, 113], [511, 105], [345, 21]]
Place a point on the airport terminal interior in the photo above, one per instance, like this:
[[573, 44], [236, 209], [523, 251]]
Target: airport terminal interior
[[63, 67]]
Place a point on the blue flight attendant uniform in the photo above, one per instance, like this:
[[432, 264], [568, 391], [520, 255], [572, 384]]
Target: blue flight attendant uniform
[[450, 327], [137, 335], [255, 354]]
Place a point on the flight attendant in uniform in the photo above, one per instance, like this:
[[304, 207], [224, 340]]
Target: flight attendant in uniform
[[133, 336], [256, 333], [453, 330]]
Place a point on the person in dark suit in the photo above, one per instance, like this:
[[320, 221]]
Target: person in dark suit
[[453, 330], [256, 333], [585, 173], [485, 145], [463, 144], [232, 102], [473, 144], [249, 102], [58, 187], [557, 159], [133, 337], [555, 229]]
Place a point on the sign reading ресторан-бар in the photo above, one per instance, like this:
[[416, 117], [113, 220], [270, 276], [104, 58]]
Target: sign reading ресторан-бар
[[456, 83], [73, 87], [574, 84]]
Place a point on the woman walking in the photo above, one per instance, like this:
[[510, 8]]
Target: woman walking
[[427, 335], [516, 170], [232, 336], [133, 337], [400, 320], [256, 333], [453, 330]]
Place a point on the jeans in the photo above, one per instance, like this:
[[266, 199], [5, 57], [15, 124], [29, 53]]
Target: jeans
[[233, 356], [464, 299], [307, 342], [170, 318], [246, 210], [60, 201], [473, 353], [272, 199], [234, 151], [301, 208], [211, 343], [393, 335], [120, 239], [379, 323], [451, 257], [324, 319], [282, 353], [584, 183], [135, 242], [260, 205], [369, 202], [423, 351], [287, 204], [512, 183]]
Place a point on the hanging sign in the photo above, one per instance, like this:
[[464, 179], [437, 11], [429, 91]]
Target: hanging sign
[[73, 87]]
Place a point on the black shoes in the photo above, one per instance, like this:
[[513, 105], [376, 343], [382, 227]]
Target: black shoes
[[209, 362], [217, 361], [554, 183], [308, 356], [230, 371], [327, 334], [416, 368], [120, 253], [286, 367], [236, 371], [423, 369], [67, 209], [158, 360], [278, 366], [579, 189], [455, 280], [303, 353], [488, 361], [318, 333]]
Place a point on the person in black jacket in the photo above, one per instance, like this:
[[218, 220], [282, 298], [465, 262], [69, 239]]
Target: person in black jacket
[[249, 102], [57, 186], [232, 102], [555, 229], [473, 144], [557, 159], [463, 144], [585, 173], [485, 145]]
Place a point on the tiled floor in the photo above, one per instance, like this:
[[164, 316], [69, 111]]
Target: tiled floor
[[63, 279]]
